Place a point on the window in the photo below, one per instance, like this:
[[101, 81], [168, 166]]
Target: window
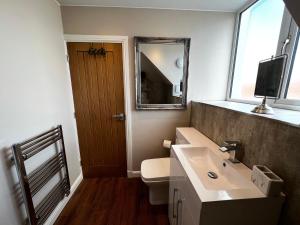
[[262, 29], [293, 91]]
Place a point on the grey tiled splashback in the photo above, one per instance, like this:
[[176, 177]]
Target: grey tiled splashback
[[266, 142]]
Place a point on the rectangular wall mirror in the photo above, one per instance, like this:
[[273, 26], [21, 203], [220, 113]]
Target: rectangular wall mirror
[[161, 66]]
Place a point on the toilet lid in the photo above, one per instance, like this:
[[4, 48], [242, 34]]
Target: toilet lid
[[156, 169]]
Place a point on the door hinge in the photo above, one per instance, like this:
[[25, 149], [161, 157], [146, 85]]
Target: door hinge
[[68, 58]]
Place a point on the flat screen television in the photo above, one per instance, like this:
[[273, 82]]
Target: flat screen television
[[269, 76]]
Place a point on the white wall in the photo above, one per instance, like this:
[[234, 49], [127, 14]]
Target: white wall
[[35, 88], [211, 35]]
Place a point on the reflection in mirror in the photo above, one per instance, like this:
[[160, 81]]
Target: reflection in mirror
[[161, 66]]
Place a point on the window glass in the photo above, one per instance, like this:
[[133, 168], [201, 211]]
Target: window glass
[[258, 39], [294, 87]]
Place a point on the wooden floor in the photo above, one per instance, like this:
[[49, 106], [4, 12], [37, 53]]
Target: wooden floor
[[112, 201]]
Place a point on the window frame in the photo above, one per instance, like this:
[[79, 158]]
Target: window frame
[[289, 29]]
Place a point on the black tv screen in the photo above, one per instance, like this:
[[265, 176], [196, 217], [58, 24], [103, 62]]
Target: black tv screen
[[269, 77]]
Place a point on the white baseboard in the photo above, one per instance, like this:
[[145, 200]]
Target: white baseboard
[[53, 217], [132, 174]]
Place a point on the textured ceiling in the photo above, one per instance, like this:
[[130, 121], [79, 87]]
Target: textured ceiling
[[199, 5]]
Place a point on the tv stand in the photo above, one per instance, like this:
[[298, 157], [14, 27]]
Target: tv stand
[[263, 108]]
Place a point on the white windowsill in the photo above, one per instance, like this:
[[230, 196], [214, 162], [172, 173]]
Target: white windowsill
[[289, 117]]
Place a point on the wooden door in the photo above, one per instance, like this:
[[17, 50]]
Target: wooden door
[[97, 82]]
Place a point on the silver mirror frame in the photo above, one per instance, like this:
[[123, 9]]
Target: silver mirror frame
[[159, 40]]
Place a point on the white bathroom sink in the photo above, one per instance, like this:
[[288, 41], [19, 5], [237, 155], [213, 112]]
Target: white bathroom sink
[[211, 190], [214, 172], [233, 181]]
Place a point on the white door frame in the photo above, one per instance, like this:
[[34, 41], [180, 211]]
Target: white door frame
[[126, 80]]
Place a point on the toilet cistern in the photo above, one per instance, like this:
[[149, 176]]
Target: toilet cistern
[[232, 147]]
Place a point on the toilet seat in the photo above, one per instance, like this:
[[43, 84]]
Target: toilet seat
[[155, 170]]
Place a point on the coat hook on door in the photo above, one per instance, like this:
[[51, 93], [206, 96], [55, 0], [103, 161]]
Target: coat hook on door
[[94, 51]]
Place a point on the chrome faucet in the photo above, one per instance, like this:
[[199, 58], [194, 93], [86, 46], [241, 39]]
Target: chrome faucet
[[232, 147]]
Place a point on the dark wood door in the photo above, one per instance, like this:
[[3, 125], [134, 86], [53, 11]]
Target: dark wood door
[[97, 82]]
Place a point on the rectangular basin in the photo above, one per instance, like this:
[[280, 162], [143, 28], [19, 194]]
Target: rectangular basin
[[214, 172]]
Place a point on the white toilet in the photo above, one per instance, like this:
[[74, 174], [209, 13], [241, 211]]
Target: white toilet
[[156, 174]]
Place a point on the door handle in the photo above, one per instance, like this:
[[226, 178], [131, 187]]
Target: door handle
[[120, 116], [179, 202], [174, 193]]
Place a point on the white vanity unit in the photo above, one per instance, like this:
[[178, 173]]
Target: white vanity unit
[[224, 197]]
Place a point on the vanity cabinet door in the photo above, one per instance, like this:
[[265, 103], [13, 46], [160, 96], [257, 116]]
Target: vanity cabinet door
[[179, 213], [192, 203], [185, 217], [189, 205], [184, 203], [173, 201], [176, 177]]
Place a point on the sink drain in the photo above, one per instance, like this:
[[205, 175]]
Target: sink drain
[[212, 175]]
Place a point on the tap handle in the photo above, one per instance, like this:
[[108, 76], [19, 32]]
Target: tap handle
[[232, 142], [223, 149]]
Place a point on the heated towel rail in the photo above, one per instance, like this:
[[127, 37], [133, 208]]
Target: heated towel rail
[[33, 182]]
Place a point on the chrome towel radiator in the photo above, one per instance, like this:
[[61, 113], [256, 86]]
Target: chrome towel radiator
[[33, 182]]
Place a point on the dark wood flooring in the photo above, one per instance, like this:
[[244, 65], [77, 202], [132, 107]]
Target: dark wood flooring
[[112, 201]]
